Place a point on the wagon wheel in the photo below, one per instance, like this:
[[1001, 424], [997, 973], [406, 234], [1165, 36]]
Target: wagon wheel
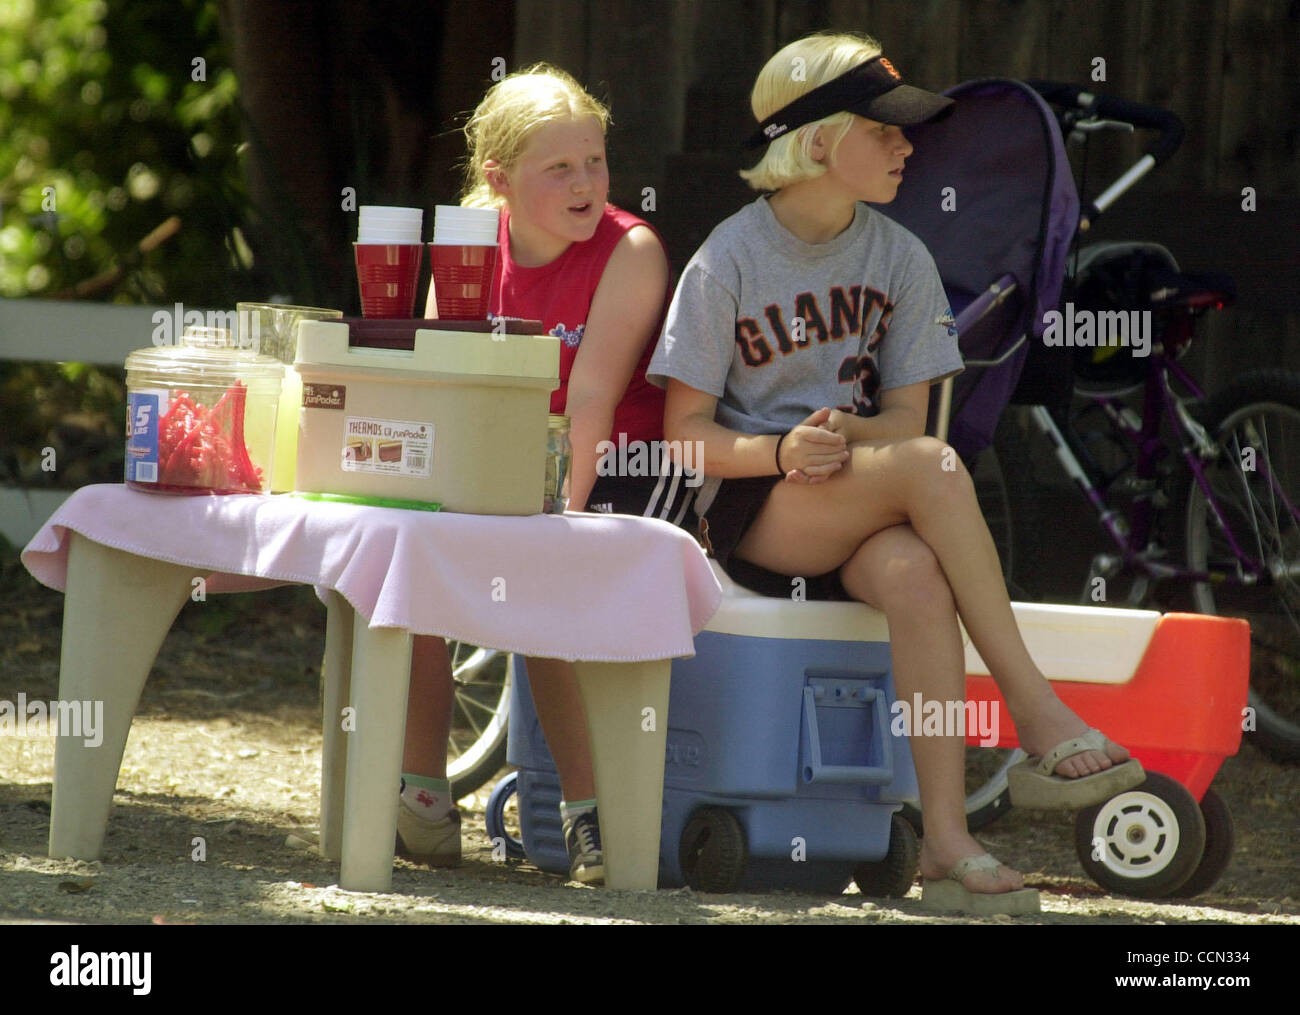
[[1219, 843], [1146, 841]]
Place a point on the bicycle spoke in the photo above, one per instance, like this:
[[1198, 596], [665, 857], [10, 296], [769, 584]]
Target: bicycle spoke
[[478, 731], [476, 740], [465, 700], [1244, 506], [1262, 436], [1259, 443], [1249, 502], [1276, 557], [1287, 509], [1240, 473], [476, 660]]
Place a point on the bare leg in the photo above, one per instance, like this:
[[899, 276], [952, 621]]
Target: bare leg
[[897, 573], [921, 482], [428, 709], [555, 694], [564, 721]]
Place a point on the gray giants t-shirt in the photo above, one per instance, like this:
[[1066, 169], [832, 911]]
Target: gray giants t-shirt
[[869, 303]]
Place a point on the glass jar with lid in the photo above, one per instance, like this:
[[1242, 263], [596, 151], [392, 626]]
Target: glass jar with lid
[[201, 416]]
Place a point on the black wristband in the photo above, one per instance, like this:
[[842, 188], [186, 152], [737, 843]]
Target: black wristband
[[780, 471]]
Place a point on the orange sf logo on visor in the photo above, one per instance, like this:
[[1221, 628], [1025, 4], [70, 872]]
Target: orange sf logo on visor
[[890, 67]]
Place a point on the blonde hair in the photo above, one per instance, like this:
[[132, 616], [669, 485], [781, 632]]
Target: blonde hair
[[794, 71], [511, 112]]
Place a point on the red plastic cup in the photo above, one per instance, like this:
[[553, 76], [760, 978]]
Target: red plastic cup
[[462, 280], [388, 275]]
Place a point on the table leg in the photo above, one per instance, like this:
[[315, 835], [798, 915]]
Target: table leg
[[627, 723], [337, 673], [381, 673], [117, 611]]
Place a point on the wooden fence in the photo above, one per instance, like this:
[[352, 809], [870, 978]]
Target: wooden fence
[[678, 73]]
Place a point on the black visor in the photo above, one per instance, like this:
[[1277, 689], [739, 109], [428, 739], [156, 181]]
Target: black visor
[[873, 89]]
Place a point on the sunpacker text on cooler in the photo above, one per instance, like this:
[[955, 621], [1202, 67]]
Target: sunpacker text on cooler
[[395, 447], [365, 428]]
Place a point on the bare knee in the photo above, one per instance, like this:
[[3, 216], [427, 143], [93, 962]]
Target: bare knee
[[899, 574], [933, 472], [933, 457], [907, 469]]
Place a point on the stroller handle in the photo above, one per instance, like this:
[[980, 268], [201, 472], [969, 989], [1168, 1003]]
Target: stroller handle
[[1146, 117]]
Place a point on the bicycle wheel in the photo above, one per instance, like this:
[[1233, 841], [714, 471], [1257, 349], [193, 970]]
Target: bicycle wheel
[[1255, 481], [987, 795], [476, 745]]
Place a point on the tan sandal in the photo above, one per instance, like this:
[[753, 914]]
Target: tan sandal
[[1034, 784], [949, 895]]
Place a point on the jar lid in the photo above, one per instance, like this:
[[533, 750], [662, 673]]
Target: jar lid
[[208, 354], [198, 337]]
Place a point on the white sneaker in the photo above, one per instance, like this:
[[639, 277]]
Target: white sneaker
[[586, 857], [432, 843]]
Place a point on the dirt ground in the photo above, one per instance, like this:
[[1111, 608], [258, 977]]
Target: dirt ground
[[226, 746]]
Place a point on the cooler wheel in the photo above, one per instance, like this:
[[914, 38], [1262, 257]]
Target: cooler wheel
[[712, 851], [892, 877]]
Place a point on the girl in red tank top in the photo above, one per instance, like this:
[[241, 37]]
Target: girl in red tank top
[[559, 294], [597, 278]]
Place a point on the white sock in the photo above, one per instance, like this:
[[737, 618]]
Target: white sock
[[429, 798], [569, 811]]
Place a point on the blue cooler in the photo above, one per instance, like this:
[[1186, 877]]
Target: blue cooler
[[781, 771]]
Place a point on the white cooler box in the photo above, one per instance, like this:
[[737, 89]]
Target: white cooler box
[[460, 420]]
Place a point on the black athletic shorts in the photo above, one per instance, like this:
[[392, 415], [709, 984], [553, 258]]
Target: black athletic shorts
[[667, 497], [734, 509]]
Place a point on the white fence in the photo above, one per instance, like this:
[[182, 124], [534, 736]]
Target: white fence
[[62, 331]]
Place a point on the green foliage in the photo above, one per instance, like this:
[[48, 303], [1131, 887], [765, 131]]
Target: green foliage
[[114, 116], [77, 410], [105, 133]]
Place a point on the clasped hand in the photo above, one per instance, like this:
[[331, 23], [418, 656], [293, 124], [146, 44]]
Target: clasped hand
[[815, 449]]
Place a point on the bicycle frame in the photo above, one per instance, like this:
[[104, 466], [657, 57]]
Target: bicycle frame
[[1132, 536], [1083, 113]]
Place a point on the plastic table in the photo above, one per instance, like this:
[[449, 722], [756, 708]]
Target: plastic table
[[620, 596]]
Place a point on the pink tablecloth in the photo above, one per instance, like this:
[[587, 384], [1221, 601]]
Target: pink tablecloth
[[601, 588]]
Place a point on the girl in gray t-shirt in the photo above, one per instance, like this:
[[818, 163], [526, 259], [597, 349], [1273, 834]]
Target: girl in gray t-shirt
[[798, 355]]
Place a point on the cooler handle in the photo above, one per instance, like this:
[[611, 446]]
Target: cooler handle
[[851, 775]]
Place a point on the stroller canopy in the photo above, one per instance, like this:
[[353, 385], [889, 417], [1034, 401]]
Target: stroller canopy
[[989, 192]]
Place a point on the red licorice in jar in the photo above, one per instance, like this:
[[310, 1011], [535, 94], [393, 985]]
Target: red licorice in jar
[[200, 419]]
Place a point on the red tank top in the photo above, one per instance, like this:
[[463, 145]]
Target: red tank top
[[559, 295]]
